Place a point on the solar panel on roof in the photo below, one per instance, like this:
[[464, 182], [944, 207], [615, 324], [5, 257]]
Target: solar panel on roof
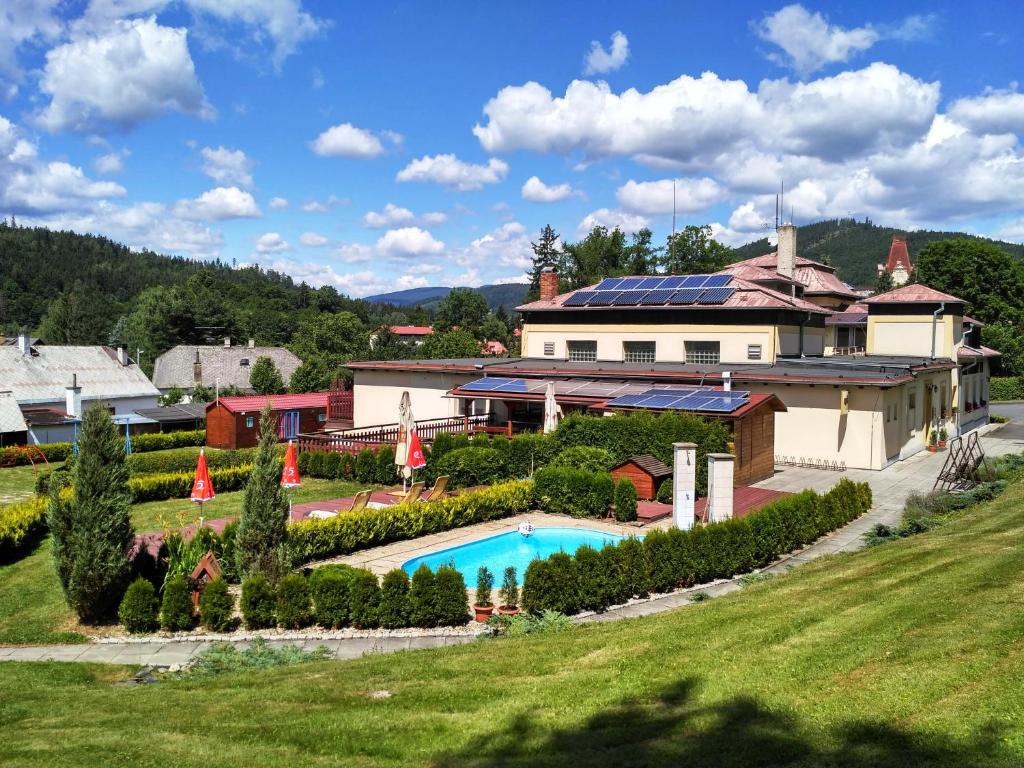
[[626, 400], [511, 385], [603, 298], [716, 295], [629, 283], [657, 297], [629, 298], [608, 284], [651, 282], [579, 299], [673, 281], [658, 401], [693, 281], [717, 281], [482, 385], [686, 296]]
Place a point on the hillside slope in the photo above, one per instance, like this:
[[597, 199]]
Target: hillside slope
[[508, 295], [856, 248]]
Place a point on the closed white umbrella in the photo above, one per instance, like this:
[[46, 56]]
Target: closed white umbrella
[[406, 424], [552, 410]]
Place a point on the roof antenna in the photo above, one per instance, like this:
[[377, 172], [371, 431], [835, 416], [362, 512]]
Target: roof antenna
[[776, 211], [782, 198], [672, 249]]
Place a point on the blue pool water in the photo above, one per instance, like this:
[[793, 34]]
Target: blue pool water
[[512, 548]]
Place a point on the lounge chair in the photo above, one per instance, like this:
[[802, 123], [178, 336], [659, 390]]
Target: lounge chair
[[359, 502], [438, 491], [413, 493]]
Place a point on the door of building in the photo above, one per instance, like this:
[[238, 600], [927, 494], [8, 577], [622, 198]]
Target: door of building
[[288, 425]]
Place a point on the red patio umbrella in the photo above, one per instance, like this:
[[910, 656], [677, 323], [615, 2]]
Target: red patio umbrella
[[202, 487], [415, 459], [290, 473]]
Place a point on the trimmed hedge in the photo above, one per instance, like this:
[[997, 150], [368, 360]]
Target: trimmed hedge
[[294, 607], [19, 455], [471, 466], [1006, 388], [585, 457], [394, 600], [576, 492], [139, 607], [21, 525], [625, 501], [667, 560], [176, 606], [216, 606], [178, 485], [258, 603], [178, 460], [363, 599], [318, 539], [330, 589]]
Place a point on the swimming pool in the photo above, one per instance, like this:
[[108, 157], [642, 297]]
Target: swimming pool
[[512, 548]]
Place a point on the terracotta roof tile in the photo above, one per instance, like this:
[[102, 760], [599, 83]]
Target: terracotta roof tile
[[817, 278], [412, 330], [277, 402], [913, 294], [898, 256]]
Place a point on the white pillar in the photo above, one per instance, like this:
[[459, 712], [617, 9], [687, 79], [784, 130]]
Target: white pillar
[[721, 467], [684, 484]]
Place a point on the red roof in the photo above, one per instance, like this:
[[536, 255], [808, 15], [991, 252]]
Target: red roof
[[913, 294], [817, 278], [412, 330], [983, 351], [898, 256], [277, 402], [493, 348]]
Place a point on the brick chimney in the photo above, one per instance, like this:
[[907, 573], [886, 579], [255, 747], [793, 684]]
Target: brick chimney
[[73, 398], [227, 341], [24, 343], [122, 356], [548, 283], [786, 250]]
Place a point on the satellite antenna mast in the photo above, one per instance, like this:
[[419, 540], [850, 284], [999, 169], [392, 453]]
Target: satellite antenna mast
[[782, 198], [776, 211], [672, 247]]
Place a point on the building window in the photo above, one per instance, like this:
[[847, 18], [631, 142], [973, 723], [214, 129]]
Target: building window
[[703, 352], [321, 417], [753, 351], [244, 362], [638, 351], [549, 347], [581, 351], [248, 422]]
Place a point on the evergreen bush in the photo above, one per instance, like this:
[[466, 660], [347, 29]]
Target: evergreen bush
[[484, 585], [176, 605], [595, 577], [258, 603], [467, 467], [294, 609], [577, 492], [139, 608], [480, 440], [366, 466], [664, 494], [625, 501], [451, 601], [442, 443], [422, 611], [461, 440], [364, 599], [387, 470], [216, 606], [330, 597], [509, 588], [394, 600], [263, 526], [585, 457], [346, 466]]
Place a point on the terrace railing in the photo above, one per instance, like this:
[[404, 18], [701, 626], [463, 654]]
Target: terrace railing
[[354, 440]]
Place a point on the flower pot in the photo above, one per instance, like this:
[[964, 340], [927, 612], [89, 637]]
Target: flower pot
[[505, 610], [933, 448], [942, 445], [483, 612]]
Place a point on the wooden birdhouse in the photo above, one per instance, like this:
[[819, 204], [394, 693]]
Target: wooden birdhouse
[[206, 570]]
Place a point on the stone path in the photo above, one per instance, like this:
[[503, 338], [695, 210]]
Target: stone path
[[890, 487]]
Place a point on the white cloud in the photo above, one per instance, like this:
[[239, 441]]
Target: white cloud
[[451, 172], [218, 204], [323, 206], [434, 218], [345, 140], [277, 203], [611, 218], [746, 218], [271, 242], [227, 166], [408, 242], [994, 111], [1011, 231], [600, 60], [507, 245], [536, 191], [656, 197], [809, 42], [389, 217], [111, 163], [25, 22], [356, 284], [313, 239], [132, 71], [55, 186]]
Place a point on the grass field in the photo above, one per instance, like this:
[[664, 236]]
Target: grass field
[[17, 483], [907, 654]]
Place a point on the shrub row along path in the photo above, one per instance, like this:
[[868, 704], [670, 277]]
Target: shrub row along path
[[890, 487]]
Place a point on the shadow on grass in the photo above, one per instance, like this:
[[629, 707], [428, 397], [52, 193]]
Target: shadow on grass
[[672, 729]]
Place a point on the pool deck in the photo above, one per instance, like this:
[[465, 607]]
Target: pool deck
[[382, 559]]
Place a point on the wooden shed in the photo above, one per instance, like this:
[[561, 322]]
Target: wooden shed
[[645, 472], [234, 422]]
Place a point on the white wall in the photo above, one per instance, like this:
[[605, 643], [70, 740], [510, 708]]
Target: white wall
[[376, 394]]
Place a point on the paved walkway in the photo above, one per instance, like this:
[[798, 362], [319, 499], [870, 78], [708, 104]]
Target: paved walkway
[[890, 487]]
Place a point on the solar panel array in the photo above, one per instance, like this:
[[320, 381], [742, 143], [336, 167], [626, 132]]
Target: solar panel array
[[676, 290], [712, 401]]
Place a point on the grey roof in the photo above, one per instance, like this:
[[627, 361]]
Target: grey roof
[[42, 376], [170, 414], [223, 365], [11, 419]]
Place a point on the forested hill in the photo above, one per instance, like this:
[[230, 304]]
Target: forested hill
[[508, 295], [856, 248]]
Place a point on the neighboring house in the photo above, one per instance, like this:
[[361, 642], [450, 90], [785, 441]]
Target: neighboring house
[[898, 264], [411, 334], [187, 366], [234, 422], [53, 384], [861, 383], [493, 348]]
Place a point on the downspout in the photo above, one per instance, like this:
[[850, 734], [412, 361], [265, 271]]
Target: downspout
[[935, 320], [803, 322]]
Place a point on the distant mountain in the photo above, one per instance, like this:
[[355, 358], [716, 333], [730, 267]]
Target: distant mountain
[[856, 248], [509, 295]]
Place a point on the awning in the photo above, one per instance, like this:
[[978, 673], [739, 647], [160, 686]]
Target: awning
[[966, 351], [171, 414]]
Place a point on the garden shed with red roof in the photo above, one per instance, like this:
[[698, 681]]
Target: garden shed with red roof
[[233, 422]]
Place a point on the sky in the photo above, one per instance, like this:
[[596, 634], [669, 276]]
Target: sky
[[383, 146]]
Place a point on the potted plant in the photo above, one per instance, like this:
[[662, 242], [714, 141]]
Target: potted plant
[[509, 593], [483, 608], [943, 436], [933, 441]]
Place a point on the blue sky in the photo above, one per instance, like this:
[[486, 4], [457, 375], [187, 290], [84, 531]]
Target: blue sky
[[383, 146]]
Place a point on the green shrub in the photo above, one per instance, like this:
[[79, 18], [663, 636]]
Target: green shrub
[[509, 588], [139, 607], [548, 622], [161, 441], [346, 466], [461, 440], [665, 492], [176, 606], [330, 592], [480, 440], [366, 466], [178, 485], [294, 609], [387, 471], [216, 606], [1006, 388], [227, 552], [584, 457], [467, 467], [528, 452], [501, 444], [22, 524], [484, 585], [224, 657], [451, 600], [595, 576], [394, 600], [20, 455], [577, 492], [319, 539], [443, 442], [364, 599], [422, 598], [258, 603], [177, 460], [625, 501]]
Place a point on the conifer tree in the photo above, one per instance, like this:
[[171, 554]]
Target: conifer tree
[[92, 528], [546, 254], [263, 527]]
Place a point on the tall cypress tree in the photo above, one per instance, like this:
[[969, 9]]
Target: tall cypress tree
[[546, 254], [264, 525], [92, 529]]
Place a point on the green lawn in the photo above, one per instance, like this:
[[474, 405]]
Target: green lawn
[[908, 654], [17, 483]]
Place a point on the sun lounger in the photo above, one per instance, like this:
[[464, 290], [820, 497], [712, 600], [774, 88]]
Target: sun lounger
[[360, 502], [439, 489], [413, 493]]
